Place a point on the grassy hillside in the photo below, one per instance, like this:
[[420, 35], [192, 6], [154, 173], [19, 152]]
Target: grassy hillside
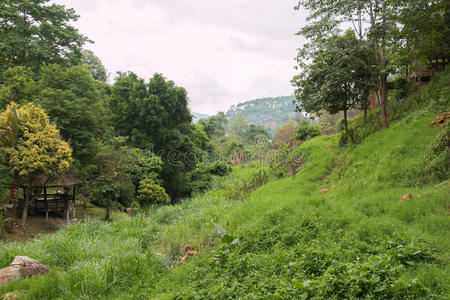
[[359, 240]]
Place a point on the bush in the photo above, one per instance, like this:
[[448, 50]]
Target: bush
[[220, 168], [438, 154], [151, 193], [202, 177], [360, 127], [306, 131]]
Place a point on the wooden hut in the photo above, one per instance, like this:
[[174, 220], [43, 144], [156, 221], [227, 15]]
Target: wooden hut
[[50, 195]]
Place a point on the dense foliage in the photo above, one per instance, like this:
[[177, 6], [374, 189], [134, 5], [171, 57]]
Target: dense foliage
[[225, 211], [151, 193], [286, 240], [338, 78], [401, 34], [36, 149], [35, 32]]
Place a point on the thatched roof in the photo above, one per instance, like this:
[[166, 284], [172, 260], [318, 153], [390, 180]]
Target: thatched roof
[[67, 180]]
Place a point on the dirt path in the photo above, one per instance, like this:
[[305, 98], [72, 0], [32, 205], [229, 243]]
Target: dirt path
[[331, 151], [325, 178]]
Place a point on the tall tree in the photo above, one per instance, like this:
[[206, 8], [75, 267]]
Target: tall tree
[[18, 86], [37, 31], [425, 30], [156, 116], [74, 102], [37, 150], [237, 127], [326, 15], [95, 65], [337, 78], [215, 126], [285, 133]]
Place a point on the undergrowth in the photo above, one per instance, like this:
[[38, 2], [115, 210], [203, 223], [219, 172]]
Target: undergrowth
[[361, 239]]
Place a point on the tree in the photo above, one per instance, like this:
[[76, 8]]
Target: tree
[[237, 127], [74, 102], [151, 193], [285, 133], [95, 65], [156, 116], [10, 129], [119, 169], [18, 86], [256, 134], [215, 125], [337, 78], [34, 31], [306, 131], [326, 15], [425, 31], [38, 148]]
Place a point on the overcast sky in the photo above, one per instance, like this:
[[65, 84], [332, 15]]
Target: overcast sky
[[222, 51]]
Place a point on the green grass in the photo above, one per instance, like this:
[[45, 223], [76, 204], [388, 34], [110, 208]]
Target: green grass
[[359, 240]]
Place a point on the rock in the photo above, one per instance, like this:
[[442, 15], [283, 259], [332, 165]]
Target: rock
[[21, 267], [405, 197], [441, 119], [11, 296], [324, 191], [188, 250], [191, 252], [187, 247]]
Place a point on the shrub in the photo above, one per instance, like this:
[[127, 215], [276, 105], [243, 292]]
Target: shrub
[[438, 154], [219, 168], [201, 177], [360, 127], [151, 193], [306, 131]]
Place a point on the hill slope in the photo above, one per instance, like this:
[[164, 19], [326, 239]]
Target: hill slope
[[270, 113], [359, 240], [198, 116]]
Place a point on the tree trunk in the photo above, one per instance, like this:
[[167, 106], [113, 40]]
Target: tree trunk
[[383, 83], [26, 205], [107, 214], [384, 95], [381, 59], [347, 132]]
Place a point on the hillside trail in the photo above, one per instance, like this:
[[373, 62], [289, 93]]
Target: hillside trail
[[325, 178]]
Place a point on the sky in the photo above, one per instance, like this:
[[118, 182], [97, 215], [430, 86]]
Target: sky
[[222, 51]]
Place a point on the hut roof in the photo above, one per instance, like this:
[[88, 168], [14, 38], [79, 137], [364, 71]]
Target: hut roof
[[67, 180]]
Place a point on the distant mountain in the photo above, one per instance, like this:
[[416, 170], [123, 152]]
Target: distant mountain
[[270, 113], [197, 116]]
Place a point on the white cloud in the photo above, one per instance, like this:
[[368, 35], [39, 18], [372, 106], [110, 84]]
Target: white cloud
[[222, 52]]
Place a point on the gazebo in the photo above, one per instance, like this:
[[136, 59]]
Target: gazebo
[[50, 195]]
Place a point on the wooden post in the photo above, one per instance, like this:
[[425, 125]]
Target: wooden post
[[74, 203], [66, 202], [46, 205]]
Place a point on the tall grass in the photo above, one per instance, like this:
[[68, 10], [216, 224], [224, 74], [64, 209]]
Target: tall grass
[[290, 241]]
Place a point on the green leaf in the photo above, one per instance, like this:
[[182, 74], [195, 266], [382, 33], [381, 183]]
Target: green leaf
[[227, 239], [221, 231]]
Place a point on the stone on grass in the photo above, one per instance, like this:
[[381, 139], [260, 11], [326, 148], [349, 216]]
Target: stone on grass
[[21, 267]]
